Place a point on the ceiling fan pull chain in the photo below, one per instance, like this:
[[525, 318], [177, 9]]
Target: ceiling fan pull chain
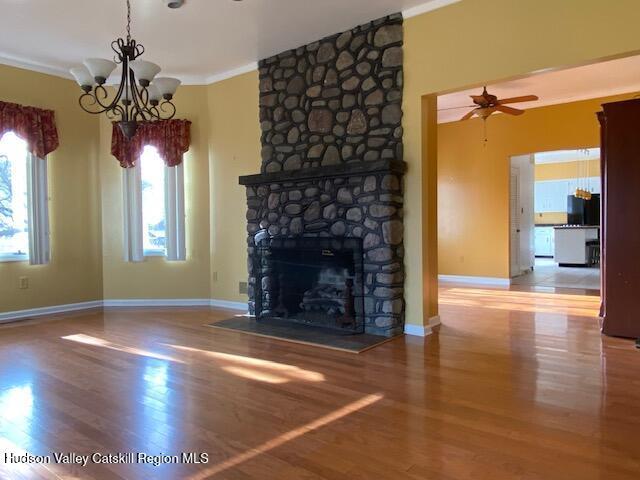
[[484, 124]]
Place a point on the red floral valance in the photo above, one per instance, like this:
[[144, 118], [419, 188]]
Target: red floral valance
[[35, 126], [170, 137]]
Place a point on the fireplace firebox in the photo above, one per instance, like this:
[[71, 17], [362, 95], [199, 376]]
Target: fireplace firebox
[[311, 281]]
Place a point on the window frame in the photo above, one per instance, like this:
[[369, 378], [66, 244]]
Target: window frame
[[174, 210]]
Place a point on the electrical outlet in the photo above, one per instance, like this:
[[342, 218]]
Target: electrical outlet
[[244, 288], [23, 283], [214, 276]]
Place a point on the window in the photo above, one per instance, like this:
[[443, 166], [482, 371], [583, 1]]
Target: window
[[14, 214], [154, 225], [153, 209]]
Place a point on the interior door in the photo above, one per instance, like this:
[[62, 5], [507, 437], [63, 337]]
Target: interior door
[[514, 209], [526, 220]]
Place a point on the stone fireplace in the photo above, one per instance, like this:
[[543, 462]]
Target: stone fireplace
[[325, 232]]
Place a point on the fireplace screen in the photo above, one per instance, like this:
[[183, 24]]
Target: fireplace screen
[[313, 281]]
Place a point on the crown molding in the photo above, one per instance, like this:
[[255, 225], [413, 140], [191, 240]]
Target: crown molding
[[25, 64], [427, 7], [218, 77]]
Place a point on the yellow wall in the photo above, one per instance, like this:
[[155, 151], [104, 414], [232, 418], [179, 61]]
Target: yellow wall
[[563, 170], [156, 277], [551, 218], [234, 150], [74, 273], [448, 50], [473, 179]]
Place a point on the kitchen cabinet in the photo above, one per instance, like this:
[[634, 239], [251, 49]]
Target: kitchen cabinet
[[591, 184], [544, 241], [551, 195]]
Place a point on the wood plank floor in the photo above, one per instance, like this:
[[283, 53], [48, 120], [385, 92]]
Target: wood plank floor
[[515, 385]]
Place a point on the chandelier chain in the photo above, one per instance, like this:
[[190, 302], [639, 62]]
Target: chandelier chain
[[128, 21]]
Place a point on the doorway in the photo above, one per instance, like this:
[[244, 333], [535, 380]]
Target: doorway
[[564, 221], [521, 218]]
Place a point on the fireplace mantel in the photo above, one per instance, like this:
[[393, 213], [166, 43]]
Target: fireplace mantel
[[331, 171]]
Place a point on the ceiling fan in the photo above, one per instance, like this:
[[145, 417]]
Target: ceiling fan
[[486, 104]]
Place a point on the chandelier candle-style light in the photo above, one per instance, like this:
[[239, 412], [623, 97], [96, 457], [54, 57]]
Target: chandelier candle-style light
[[147, 100]]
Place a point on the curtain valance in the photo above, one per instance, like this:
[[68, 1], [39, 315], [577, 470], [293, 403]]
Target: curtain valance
[[170, 137], [35, 126]]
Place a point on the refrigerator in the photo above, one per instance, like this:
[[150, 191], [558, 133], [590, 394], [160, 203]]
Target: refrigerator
[[583, 212]]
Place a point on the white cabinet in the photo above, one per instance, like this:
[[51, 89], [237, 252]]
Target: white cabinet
[[544, 242], [551, 195], [591, 184]]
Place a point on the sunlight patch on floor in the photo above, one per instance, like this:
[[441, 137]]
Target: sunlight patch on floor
[[288, 436], [255, 368], [99, 342], [535, 302]]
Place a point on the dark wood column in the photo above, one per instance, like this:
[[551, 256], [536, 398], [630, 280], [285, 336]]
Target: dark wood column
[[620, 123]]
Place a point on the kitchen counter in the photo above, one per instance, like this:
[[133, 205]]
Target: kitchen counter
[[578, 227], [571, 244]]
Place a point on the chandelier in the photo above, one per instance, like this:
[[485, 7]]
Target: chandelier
[[148, 99]]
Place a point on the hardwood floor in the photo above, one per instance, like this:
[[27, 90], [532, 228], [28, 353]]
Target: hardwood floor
[[516, 385]]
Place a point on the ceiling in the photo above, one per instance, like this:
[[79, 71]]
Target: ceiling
[[202, 42], [563, 156], [581, 83]]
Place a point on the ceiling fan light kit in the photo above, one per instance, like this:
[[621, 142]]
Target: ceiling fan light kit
[[140, 96]]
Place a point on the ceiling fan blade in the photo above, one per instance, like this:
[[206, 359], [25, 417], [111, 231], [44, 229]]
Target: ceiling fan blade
[[468, 115], [455, 108], [524, 98], [509, 110]]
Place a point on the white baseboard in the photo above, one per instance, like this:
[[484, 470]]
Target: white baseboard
[[6, 317], [496, 281], [157, 302], [417, 330], [38, 312], [178, 302], [422, 330], [435, 321], [228, 305]]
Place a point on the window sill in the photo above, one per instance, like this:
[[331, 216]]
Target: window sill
[[14, 258], [154, 253]]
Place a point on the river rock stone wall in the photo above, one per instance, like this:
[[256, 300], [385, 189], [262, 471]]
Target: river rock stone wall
[[330, 114], [334, 101]]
